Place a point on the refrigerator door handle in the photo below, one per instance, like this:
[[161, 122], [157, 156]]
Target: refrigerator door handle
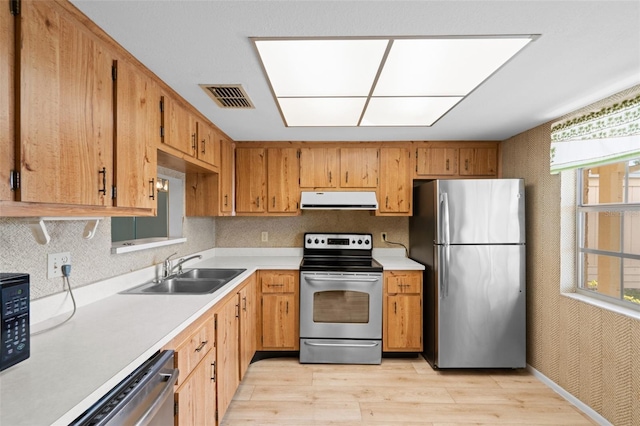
[[445, 273], [445, 232]]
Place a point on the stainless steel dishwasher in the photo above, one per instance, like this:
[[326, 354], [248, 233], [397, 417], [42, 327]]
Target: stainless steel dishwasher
[[145, 397]]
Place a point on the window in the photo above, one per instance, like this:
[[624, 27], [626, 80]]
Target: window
[[608, 218]]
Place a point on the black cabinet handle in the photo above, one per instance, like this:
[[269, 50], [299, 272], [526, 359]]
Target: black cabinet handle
[[152, 189], [103, 172]]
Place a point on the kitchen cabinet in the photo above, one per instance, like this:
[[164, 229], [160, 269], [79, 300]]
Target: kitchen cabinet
[[178, 126], [65, 119], [318, 168], [478, 161], [395, 190], [136, 127], [248, 300], [227, 320], [195, 358], [282, 180], [196, 399], [200, 196], [358, 167], [251, 173], [208, 146], [437, 161], [402, 311], [227, 162], [7, 105], [279, 310]]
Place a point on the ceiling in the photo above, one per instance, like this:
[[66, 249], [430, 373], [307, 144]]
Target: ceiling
[[587, 50]]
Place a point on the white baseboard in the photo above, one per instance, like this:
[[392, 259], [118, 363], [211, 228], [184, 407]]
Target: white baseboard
[[595, 416]]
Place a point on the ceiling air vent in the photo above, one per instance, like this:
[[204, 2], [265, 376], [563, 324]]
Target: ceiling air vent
[[228, 95]]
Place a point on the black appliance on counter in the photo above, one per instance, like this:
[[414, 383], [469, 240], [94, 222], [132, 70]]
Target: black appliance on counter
[[14, 309]]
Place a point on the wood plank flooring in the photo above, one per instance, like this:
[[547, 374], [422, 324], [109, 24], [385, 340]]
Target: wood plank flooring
[[281, 391]]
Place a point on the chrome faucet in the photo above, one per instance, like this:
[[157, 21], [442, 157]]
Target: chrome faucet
[[181, 261], [166, 265]]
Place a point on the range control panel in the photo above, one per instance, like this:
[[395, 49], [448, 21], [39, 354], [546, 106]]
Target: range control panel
[[338, 241], [14, 300]]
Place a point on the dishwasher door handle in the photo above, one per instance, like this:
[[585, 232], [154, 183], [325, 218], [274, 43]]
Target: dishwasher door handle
[[167, 392]]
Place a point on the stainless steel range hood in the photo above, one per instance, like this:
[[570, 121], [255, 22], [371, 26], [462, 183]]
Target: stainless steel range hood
[[338, 200]]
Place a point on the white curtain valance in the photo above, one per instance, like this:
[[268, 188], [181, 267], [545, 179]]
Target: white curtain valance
[[604, 136]]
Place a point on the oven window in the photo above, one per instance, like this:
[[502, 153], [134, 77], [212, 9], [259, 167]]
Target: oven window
[[341, 306]]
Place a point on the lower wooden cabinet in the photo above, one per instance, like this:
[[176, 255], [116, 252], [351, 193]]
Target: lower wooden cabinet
[[196, 397], [248, 338], [279, 302], [227, 321], [402, 311]]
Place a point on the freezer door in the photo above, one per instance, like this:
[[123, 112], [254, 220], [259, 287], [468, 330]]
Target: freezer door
[[481, 320], [481, 211]]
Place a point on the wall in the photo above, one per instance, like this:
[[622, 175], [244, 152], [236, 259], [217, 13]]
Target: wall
[[246, 231], [592, 353]]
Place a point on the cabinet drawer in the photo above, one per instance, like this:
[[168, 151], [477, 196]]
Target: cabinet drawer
[[194, 348], [277, 282], [403, 282]]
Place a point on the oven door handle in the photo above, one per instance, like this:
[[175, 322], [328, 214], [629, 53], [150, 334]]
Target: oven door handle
[[357, 280], [344, 345]]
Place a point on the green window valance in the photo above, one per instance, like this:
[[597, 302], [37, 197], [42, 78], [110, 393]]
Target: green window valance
[[609, 134]]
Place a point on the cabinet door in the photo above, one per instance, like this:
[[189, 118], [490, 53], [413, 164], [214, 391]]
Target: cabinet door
[[7, 105], [478, 161], [437, 161], [395, 181], [251, 174], [207, 142], [359, 167], [403, 325], [196, 397], [227, 346], [279, 326], [137, 124], [282, 180], [248, 323], [66, 109], [200, 196], [179, 125], [318, 167], [226, 177]]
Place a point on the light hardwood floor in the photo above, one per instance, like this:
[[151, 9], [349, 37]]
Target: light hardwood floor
[[281, 391]]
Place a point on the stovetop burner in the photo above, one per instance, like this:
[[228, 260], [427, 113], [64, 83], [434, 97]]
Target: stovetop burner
[[339, 252]]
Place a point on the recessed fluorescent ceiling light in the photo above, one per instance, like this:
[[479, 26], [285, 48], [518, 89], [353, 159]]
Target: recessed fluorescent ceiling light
[[378, 81]]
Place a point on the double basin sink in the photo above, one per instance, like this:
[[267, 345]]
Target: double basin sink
[[192, 281]]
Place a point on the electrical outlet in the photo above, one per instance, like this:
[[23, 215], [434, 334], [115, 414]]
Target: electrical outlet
[[383, 237], [55, 262], [265, 236]]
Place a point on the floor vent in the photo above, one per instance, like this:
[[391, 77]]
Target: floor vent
[[228, 95]]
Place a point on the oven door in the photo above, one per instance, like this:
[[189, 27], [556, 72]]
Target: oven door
[[340, 305]]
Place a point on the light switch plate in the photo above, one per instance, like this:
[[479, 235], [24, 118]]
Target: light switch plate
[[55, 262]]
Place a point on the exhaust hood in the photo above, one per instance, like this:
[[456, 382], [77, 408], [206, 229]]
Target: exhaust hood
[[337, 200]]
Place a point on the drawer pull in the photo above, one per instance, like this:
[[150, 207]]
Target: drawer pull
[[202, 345]]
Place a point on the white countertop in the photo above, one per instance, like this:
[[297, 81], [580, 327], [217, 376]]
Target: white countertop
[[72, 366]]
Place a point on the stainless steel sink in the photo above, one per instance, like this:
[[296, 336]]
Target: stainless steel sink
[[208, 273], [194, 281]]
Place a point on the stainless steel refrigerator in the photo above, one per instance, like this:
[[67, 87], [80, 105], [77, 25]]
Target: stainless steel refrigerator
[[470, 235]]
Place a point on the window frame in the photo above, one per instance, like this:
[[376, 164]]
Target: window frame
[[581, 250]]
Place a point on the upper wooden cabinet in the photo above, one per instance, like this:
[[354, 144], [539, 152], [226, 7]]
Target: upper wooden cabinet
[[208, 144], [437, 161], [395, 190], [227, 162], [6, 100], [282, 180], [457, 159], [319, 168], [251, 175], [478, 161], [179, 126], [358, 167], [65, 132], [137, 125]]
